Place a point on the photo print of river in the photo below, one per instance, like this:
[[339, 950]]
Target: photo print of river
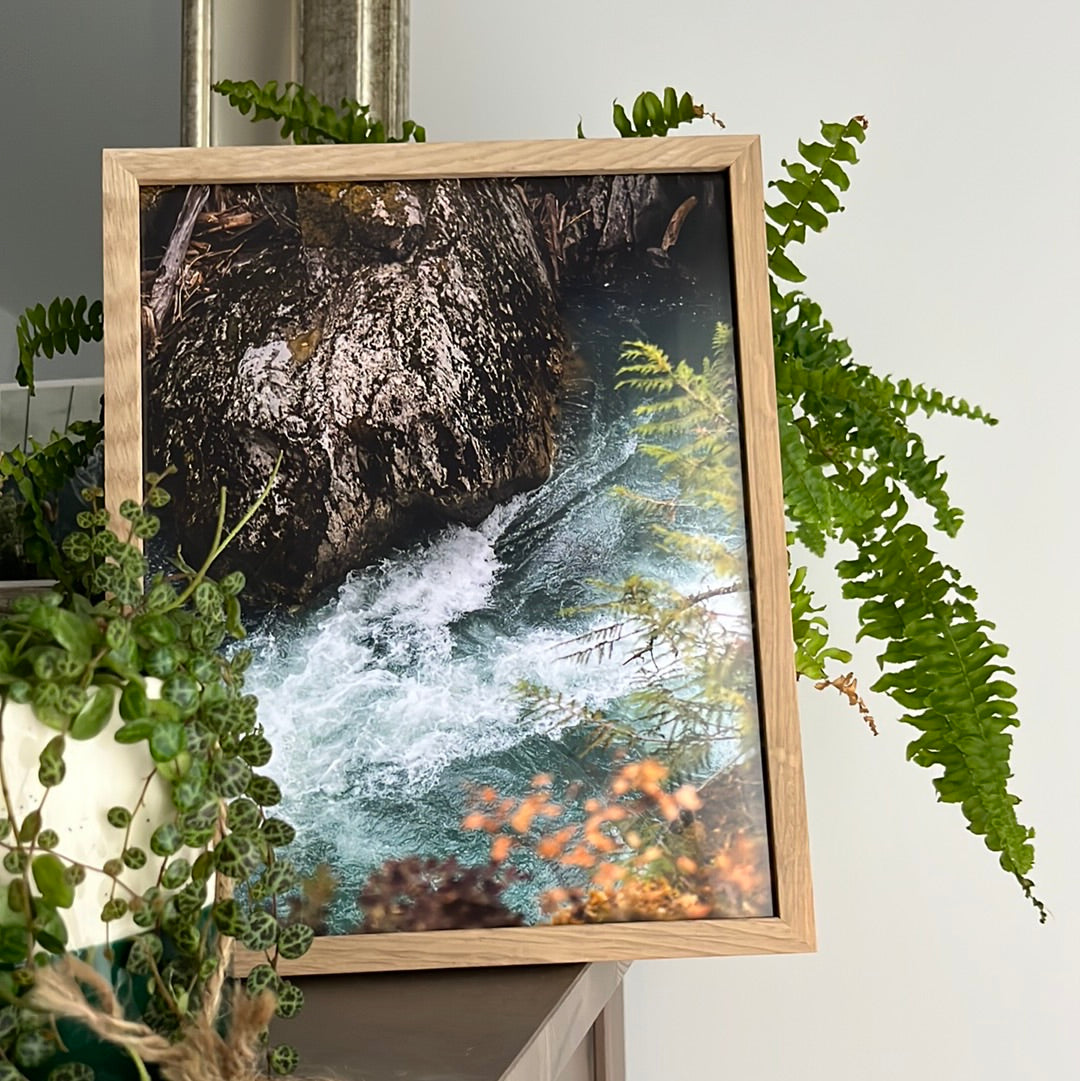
[[498, 598]]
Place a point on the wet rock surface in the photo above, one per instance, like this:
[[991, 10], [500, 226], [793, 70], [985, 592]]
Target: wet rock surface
[[399, 346]]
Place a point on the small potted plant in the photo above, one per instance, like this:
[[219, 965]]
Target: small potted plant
[[134, 805]]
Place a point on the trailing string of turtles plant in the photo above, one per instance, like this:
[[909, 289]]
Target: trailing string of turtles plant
[[189, 857]]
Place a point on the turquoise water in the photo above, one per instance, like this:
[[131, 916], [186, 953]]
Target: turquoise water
[[399, 693]]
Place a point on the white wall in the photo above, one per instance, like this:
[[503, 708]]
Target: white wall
[[956, 264], [75, 75]]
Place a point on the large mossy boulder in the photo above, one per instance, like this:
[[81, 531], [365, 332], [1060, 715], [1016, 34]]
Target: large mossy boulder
[[397, 344]]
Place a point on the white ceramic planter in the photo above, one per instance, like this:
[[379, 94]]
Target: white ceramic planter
[[101, 773]]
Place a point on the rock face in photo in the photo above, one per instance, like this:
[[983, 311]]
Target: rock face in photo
[[618, 225], [398, 344]]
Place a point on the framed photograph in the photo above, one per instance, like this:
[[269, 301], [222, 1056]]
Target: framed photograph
[[517, 604]]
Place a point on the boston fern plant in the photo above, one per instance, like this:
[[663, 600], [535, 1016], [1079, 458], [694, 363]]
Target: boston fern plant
[[852, 466], [853, 470], [115, 639]]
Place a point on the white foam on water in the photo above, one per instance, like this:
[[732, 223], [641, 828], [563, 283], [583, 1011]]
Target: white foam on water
[[415, 664], [379, 691]]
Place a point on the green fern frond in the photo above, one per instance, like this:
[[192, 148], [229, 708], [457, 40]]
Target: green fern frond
[[810, 194], [306, 119], [689, 657], [652, 115], [944, 670], [62, 327], [855, 409], [676, 407], [723, 343], [725, 558], [908, 398], [663, 427], [807, 494], [645, 360], [811, 631], [850, 464], [555, 708]]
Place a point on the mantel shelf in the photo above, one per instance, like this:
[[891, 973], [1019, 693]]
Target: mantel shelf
[[529, 1023]]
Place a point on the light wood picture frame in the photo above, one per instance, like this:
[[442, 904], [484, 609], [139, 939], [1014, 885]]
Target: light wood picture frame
[[723, 172]]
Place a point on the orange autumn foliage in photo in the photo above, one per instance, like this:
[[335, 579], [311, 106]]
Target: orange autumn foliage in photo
[[634, 899], [649, 852]]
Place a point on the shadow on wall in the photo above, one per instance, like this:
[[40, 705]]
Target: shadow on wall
[[124, 59]]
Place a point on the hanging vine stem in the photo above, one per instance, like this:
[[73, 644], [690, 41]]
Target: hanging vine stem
[[218, 545]]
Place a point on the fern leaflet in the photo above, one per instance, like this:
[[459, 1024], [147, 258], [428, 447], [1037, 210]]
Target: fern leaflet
[[62, 327], [305, 119]]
